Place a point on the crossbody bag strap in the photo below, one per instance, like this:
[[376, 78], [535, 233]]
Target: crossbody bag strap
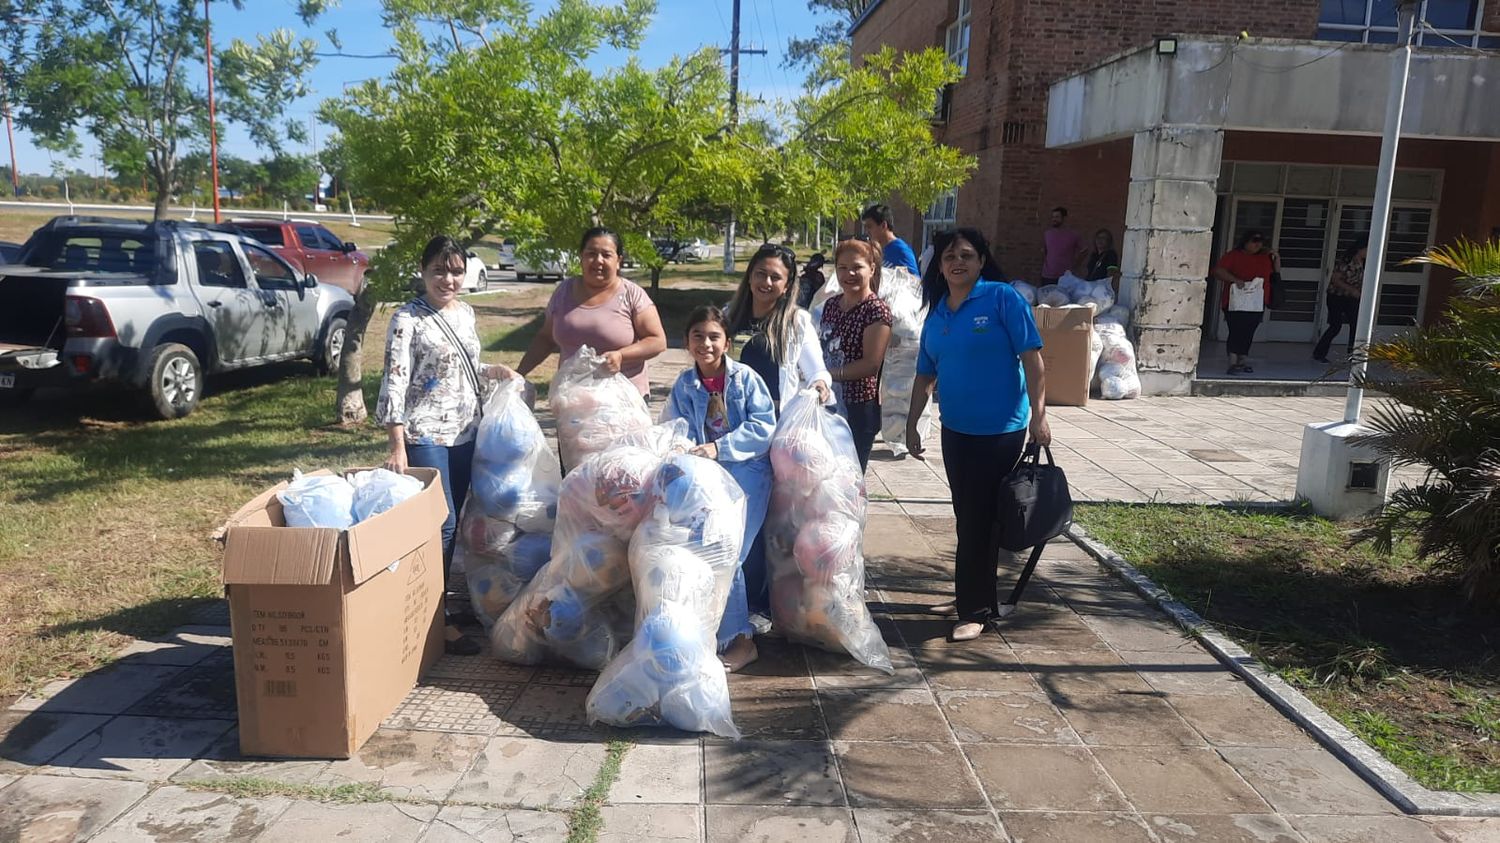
[[463, 353]]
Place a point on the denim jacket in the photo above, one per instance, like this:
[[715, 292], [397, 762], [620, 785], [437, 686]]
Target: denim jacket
[[752, 419]]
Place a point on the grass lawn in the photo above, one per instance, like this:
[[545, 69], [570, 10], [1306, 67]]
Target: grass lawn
[[1383, 644], [105, 518]]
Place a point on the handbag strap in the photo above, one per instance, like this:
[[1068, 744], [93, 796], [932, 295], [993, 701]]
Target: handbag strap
[[463, 353], [1026, 572]]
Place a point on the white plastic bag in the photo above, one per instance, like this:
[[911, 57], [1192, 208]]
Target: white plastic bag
[[1097, 293], [1118, 378], [1072, 284], [323, 500], [593, 408], [902, 292], [1052, 296], [814, 532], [1119, 315], [1249, 297], [379, 489], [683, 558], [1027, 291]]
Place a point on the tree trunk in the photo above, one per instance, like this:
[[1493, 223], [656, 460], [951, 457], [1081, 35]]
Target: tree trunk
[[655, 278], [349, 405], [162, 173]]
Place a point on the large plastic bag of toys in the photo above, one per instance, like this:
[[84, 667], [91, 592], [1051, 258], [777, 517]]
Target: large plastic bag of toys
[[318, 500], [380, 489], [1052, 296], [902, 292], [563, 613], [1118, 378], [505, 534], [593, 408], [1027, 291], [683, 558], [814, 535]]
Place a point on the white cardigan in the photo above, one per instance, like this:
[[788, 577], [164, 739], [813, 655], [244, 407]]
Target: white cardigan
[[802, 365]]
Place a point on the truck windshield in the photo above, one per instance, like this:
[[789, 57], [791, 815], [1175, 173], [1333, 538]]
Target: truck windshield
[[267, 234], [93, 251]]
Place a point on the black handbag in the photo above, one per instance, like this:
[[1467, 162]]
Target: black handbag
[[1035, 507], [1278, 291]]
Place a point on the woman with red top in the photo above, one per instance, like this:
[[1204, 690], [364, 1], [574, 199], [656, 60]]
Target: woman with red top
[[1247, 270], [854, 330]]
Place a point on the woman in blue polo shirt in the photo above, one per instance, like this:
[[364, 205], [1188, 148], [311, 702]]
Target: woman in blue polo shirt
[[981, 344]]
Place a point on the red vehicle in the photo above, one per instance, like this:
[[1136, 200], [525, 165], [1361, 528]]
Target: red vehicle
[[311, 248]]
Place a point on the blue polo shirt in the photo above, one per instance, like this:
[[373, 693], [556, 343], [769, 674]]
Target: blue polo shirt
[[897, 253], [975, 352]]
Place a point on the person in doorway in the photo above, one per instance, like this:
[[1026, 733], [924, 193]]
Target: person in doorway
[[893, 250], [430, 395], [981, 343], [731, 418], [1244, 275], [603, 310], [1103, 261], [854, 332], [1061, 247], [778, 340], [1343, 297]]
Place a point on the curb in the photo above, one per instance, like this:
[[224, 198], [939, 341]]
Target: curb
[[1390, 780], [1250, 388]]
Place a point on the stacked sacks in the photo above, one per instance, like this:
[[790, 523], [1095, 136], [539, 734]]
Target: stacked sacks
[[568, 610], [1052, 296], [1027, 291], [1119, 314], [682, 562], [593, 408], [813, 535], [505, 533], [1117, 373], [902, 291]]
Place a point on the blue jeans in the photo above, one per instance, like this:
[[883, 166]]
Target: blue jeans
[[754, 478], [864, 423], [453, 464]]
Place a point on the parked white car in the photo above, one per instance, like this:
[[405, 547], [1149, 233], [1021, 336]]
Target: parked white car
[[695, 250], [554, 264], [476, 276]]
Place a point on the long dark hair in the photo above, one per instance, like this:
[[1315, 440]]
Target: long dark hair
[[783, 314], [934, 285]]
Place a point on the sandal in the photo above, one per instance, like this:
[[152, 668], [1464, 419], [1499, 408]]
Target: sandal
[[966, 631]]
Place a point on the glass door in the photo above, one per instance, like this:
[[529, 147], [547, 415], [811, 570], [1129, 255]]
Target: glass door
[[1302, 241], [1403, 288], [1247, 213]]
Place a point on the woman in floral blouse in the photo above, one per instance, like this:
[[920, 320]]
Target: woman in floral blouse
[[430, 395], [855, 329]]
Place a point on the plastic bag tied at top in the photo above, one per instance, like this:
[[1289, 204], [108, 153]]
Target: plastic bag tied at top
[[814, 532], [594, 409], [682, 560], [324, 500], [902, 292]]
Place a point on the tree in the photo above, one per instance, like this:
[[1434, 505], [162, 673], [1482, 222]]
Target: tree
[[808, 52], [1444, 382], [131, 74], [288, 178]]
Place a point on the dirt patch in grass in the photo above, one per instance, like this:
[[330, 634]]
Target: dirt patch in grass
[[1387, 646]]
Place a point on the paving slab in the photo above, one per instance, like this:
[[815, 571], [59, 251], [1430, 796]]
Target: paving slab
[[1043, 778], [555, 711], [142, 748], [781, 825], [1004, 717], [1223, 828], [407, 764], [1062, 673], [879, 825], [110, 690], [1127, 720], [178, 815], [837, 670], [1367, 829], [1166, 780], [907, 775], [1059, 827], [760, 772], [441, 704], [55, 808], [531, 773], [206, 691], [474, 824], [1306, 781], [222, 760], [372, 822], [906, 714], [650, 823], [32, 738], [777, 713], [1240, 721], [660, 774], [179, 649], [988, 666], [1466, 829]]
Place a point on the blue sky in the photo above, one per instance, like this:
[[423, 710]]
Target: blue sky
[[680, 26]]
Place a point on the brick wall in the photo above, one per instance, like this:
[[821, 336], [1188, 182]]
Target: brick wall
[[1491, 17]]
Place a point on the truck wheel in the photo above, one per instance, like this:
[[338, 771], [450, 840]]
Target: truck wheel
[[332, 347], [176, 381]]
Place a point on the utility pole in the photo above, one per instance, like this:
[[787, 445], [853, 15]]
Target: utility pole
[[15, 178], [734, 116], [213, 129]]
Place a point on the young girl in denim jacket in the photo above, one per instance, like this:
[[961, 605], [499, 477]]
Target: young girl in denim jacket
[[730, 415]]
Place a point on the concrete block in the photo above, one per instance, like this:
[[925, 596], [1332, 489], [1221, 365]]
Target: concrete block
[[1177, 152], [1166, 254], [1328, 466], [1172, 204], [1162, 303], [1166, 383], [1168, 349]]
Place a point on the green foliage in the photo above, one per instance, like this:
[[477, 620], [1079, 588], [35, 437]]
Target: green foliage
[[805, 52], [1444, 382], [130, 73]]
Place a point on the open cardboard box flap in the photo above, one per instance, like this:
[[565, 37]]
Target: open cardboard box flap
[[259, 549]]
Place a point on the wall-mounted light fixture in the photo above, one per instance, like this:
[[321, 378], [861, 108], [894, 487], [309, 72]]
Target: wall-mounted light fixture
[[1166, 45]]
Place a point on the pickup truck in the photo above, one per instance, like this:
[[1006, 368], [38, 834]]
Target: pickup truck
[[311, 248], [156, 307]]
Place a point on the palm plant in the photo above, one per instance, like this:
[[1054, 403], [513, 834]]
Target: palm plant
[[1444, 382]]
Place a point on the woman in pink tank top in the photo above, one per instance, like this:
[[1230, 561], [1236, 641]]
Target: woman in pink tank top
[[602, 310]]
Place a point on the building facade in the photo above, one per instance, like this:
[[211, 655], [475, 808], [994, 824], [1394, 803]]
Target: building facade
[[1176, 124]]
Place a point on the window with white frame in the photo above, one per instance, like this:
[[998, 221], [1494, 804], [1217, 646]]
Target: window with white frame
[[1448, 23], [958, 36], [942, 214]]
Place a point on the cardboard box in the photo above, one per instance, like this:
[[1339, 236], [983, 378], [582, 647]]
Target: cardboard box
[[1067, 333], [331, 628]]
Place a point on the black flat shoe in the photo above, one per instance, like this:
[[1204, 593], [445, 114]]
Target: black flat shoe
[[464, 646]]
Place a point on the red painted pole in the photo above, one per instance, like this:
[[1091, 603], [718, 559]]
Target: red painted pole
[[213, 129]]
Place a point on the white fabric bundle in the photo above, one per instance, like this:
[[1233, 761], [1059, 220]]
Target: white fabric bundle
[[902, 292], [593, 408], [682, 562], [814, 533]]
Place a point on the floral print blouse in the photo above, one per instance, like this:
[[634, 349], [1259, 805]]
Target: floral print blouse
[[426, 386]]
